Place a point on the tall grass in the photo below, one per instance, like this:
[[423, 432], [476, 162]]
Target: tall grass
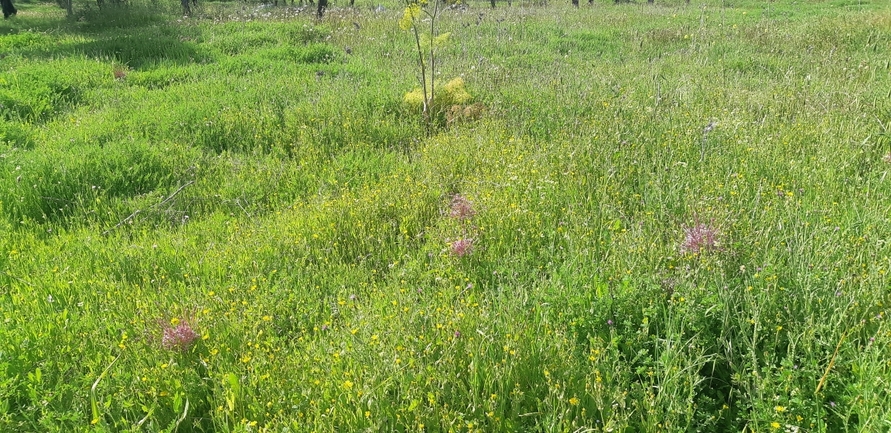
[[674, 217]]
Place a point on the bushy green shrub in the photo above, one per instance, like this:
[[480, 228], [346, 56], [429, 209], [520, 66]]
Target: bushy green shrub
[[445, 96], [451, 93]]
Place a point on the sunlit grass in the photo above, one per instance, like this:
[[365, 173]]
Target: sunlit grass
[[659, 217]]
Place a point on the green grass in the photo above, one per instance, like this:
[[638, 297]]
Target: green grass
[[252, 173]]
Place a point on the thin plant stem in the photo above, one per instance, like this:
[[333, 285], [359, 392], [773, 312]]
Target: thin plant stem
[[432, 56], [423, 77]]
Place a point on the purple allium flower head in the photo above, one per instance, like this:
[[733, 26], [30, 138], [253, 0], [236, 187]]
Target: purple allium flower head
[[462, 247], [179, 337], [461, 208], [700, 237]]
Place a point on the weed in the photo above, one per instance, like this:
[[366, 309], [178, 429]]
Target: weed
[[700, 237], [415, 19], [461, 247], [178, 336]]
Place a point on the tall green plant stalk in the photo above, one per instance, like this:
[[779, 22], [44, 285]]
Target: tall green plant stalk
[[426, 43]]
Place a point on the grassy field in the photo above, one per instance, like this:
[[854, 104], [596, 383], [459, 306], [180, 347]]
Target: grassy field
[[668, 217]]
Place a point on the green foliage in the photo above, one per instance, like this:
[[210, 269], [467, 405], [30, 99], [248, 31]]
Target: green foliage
[[428, 43], [13, 134], [445, 96], [249, 171], [38, 92]]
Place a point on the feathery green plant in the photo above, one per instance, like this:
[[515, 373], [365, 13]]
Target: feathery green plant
[[427, 43]]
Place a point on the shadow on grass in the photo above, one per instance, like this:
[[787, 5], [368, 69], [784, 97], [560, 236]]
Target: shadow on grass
[[134, 35]]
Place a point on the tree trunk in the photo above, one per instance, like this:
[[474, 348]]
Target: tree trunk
[[575, 3], [8, 9], [492, 2], [187, 9], [323, 4]]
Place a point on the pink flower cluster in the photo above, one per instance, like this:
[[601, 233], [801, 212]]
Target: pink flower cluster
[[180, 337], [700, 237], [462, 247], [461, 208]]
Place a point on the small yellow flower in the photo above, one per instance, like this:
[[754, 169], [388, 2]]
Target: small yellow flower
[[409, 15], [574, 401], [775, 425], [780, 409]]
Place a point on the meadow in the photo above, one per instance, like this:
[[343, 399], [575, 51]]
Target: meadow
[[656, 217]]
